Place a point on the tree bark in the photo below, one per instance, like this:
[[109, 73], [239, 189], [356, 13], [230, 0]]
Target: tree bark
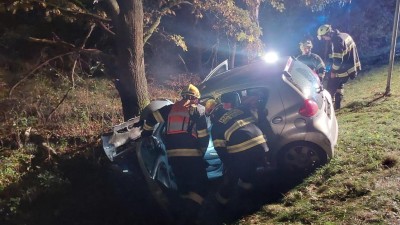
[[131, 81], [233, 56], [254, 8]]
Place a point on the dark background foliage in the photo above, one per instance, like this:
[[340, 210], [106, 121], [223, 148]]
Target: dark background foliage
[[369, 22]]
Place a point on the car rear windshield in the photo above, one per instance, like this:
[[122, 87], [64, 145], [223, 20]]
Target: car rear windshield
[[306, 81]]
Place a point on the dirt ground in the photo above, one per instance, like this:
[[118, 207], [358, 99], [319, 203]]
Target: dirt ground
[[97, 194]]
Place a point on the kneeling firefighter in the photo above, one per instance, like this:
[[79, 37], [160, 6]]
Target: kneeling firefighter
[[186, 141]]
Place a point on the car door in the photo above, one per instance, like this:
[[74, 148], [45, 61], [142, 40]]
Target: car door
[[222, 67]]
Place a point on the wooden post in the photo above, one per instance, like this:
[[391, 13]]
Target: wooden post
[[393, 48]]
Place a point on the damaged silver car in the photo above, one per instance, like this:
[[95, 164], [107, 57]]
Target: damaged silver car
[[300, 122]]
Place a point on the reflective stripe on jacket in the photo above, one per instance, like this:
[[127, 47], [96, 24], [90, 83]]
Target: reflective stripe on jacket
[[235, 131], [181, 143], [344, 55], [179, 120]]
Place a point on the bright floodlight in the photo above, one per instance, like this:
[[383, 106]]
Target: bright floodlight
[[270, 57]]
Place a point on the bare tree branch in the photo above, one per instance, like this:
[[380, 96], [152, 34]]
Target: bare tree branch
[[34, 70], [82, 14], [73, 48], [92, 26], [77, 55], [157, 22], [102, 25], [73, 71], [53, 42], [151, 29], [58, 105], [184, 63]]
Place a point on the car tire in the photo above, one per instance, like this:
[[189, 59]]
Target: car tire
[[301, 158]]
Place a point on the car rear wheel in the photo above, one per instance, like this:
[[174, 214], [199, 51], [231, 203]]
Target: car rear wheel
[[301, 158]]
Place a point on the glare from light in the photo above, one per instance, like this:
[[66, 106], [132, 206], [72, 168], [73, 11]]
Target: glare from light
[[270, 57], [307, 92]]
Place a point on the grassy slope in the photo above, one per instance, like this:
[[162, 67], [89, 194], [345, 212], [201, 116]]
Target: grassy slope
[[361, 184]]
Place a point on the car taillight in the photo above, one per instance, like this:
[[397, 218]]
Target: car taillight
[[309, 108]]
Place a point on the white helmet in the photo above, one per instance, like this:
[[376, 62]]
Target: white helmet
[[323, 30]]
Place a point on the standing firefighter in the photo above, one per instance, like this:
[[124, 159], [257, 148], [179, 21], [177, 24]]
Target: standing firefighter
[[344, 59], [310, 59], [186, 141], [241, 146]]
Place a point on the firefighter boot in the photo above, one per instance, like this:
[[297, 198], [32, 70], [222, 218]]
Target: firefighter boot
[[338, 100], [212, 212], [189, 214]]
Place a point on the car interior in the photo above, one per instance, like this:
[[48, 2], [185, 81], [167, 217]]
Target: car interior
[[230, 100], [256, 96]]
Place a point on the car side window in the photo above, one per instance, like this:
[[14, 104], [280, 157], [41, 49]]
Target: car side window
[[253, 97]]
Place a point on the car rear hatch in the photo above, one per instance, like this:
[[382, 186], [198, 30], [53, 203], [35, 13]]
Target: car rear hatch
[[317, 101]]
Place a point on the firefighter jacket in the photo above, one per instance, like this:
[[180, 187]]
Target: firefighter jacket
[[344, 55], [186, 128], [234, 133], [314, 62]]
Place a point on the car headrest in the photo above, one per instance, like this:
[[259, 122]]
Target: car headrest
[[232, 98]]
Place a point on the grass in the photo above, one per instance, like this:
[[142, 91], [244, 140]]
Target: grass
[[359, 186], [361, 183]]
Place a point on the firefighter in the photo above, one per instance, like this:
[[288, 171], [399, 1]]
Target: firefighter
[[255, 100], [344, 60], [240, 145], [310, 59], [186, 141]]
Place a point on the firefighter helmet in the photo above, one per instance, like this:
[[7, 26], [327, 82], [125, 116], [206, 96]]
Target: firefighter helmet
[[323, 30], [211, 106], [191, 90]]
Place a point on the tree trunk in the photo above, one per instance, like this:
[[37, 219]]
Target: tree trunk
[[233, 56], [131, 81], [253, 7]]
